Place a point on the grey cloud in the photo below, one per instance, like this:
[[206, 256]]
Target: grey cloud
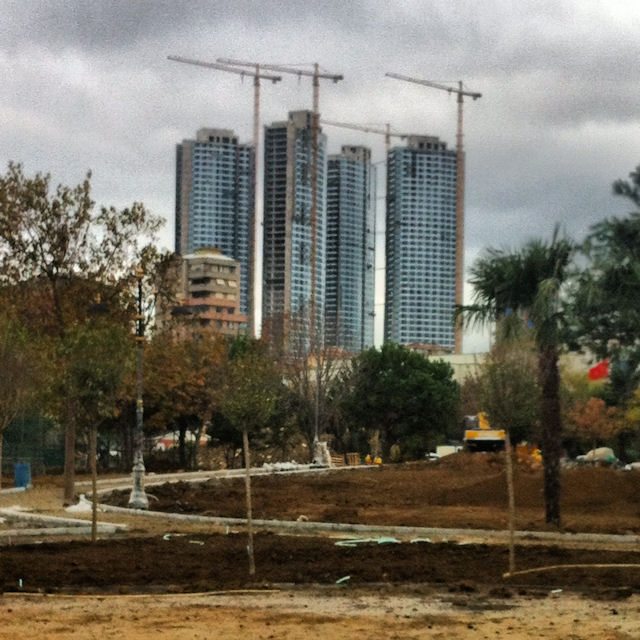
[[508, 40], [121, 24]]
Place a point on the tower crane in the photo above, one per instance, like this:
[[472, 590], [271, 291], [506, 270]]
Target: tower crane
[[386, 132], [316, 75], [257, 75], [460, 92]]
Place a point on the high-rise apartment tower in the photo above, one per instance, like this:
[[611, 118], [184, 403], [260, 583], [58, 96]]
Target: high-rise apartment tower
[[421, 243], [350, 270], [287, 248], [214, 200]]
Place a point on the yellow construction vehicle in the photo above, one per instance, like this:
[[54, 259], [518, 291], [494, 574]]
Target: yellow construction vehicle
[[479, 436]]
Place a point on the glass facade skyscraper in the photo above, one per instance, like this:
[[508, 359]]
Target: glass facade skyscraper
[[214, 199], [287, 248], [421, 243], [349, 297]]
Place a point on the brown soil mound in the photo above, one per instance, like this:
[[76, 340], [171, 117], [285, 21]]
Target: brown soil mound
[[464, 490]]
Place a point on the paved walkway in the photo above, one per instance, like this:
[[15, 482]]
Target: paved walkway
[[153, 479]]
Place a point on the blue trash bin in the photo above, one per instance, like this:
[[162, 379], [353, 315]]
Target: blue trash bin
[[22, 474]]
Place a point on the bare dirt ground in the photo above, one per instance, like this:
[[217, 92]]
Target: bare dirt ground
[[313, 614], [145, 584], [464, 490]]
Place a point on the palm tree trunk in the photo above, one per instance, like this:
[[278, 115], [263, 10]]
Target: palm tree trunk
[[551, 431]]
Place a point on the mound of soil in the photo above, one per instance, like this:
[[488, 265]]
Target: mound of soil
[[463, 490], [200, 562]]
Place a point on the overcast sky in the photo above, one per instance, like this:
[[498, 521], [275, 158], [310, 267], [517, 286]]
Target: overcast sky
[[87, 85]]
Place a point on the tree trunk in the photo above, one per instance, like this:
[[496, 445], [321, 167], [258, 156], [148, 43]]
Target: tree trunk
[[551, 431], [1, 443], [230, 456], [182, 458], [247, 483], [374, 444], [93, 452], [69, 457], [512, 502], [195, 450]]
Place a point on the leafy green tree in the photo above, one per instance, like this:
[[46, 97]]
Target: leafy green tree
[[249, 402], [605, 315], [402, 397], [226, 436], [252, 385], [526, 285], [99, 359], [631, 436], [57, 252]]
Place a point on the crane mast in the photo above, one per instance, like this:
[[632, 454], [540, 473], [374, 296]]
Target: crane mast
[[316, 76], [257, 75], [459, 270]]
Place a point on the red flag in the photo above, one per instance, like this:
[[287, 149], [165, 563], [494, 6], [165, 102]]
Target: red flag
[[601, 370]]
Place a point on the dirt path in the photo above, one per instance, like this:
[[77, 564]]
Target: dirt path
[[310, 614]]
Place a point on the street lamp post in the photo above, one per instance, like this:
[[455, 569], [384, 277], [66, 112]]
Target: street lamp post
[[138, 498]]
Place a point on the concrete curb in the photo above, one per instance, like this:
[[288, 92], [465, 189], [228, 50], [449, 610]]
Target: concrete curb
[[50, 531], [114, 484], [69, 525]]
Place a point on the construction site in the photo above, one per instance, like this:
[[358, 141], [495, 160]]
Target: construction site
[[421, 549], [299, 290]]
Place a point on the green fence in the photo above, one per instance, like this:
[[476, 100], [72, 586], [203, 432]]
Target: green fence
[[38, 441]]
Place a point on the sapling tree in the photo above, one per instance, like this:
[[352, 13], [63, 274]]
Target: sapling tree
[[249, 401], [98, 357]]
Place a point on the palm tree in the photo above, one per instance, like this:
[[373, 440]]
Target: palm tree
[[524, 286]]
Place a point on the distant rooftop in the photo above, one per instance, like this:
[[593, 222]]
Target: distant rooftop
[[208, 252]]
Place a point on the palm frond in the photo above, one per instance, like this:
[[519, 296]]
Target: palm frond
[[524, 283], [474, 316]]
